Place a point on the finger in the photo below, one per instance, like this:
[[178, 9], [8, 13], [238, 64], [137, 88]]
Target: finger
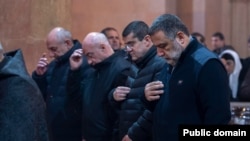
[[43, 60], [123, 91], [76, 57], [78, 51], [41, 65], [154, 87], [152, 98], [121, 98], [123, 88], [154, 83], [122, 95], [155, 92]]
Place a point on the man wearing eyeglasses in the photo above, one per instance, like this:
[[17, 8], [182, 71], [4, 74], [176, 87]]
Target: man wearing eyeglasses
[[134, 120]]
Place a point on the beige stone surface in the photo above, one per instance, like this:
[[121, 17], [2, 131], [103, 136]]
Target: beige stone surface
[[25, 23]]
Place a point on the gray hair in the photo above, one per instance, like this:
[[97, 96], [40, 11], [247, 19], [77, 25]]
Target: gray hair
[[169, 24], [62, 34]]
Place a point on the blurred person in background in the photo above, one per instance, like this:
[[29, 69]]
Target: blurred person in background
[[218, 43], [113, 37], [232, 63], [199, 38], [115, 41]]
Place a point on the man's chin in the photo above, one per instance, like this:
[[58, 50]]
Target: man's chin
[[116, 48], [171, 62]]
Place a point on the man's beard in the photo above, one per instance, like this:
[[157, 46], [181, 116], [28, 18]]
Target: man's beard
[[176, 52]]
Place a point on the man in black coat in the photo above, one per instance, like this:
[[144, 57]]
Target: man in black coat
[[135, 122], [195, 94], [111, 70], [22, 109], [63, 112]]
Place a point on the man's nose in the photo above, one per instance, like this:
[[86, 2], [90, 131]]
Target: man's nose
[[51, 54], [89, 62]]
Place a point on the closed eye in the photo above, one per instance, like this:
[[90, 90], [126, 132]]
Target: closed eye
[[52, 49], [130, 44], [162, 45]]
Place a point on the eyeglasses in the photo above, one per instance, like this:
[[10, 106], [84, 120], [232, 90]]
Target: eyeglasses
[[128, 47], [131, 44]]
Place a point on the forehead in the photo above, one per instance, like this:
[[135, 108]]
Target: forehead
[[159, 37], [223, 60], [129, 37], [52, 42], [87, 48], [215, 38]]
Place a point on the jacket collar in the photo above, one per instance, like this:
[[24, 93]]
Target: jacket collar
[[65, 57], [189, 49], [106, 62], [13, 64], [144, 60]]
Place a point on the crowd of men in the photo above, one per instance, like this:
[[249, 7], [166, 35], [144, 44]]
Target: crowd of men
[[100, 90]]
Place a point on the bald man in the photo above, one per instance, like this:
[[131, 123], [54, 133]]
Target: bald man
[[111, 70], [63, 113]]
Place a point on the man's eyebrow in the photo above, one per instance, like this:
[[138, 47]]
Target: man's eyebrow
[[129, 42], [161, 45]]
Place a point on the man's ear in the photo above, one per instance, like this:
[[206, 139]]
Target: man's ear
[[180, 38], [147, 38], [69, 43], [102, 47]]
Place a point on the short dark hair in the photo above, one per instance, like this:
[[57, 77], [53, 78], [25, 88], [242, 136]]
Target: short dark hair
[[139, 28], [227, 56], [105, 30], [219, 35], [169, 24]]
